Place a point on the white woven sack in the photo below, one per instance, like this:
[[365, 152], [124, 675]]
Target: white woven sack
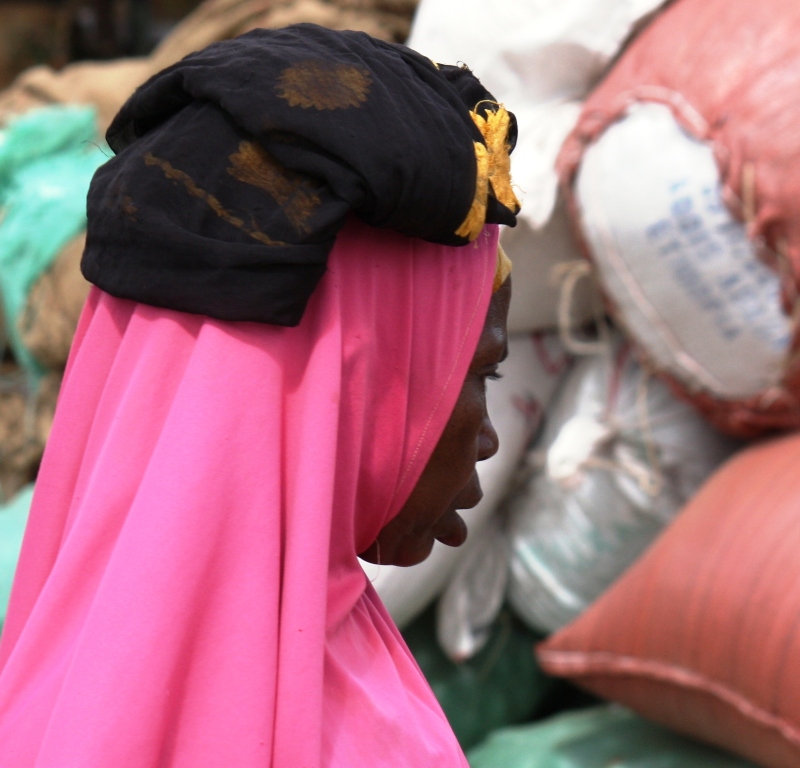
[[683, 277], [619, 458]]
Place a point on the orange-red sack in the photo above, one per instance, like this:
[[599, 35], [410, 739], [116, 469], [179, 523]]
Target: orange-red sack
[[702, 634], [729, 74]]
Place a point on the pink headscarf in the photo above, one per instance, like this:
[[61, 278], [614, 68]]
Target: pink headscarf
[[188, 594]]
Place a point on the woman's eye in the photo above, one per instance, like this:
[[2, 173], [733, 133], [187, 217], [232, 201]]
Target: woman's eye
[[490, 376]]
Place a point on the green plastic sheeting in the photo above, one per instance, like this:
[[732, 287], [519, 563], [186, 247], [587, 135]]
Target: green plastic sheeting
[[13, 518], [599, 737], [47, 159], [502, 685]]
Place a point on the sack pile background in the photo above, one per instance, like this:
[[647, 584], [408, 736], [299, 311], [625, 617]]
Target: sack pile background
[[613, 520]]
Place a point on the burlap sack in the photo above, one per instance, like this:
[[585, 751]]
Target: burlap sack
[[48, 321], [107, 85], [25, 421], [30, 31], [221, 19], [103, 84]]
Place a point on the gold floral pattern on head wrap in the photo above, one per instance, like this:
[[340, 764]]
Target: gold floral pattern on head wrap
[[257, 150], [504, 267], [493, 169], [294, 192], [323, 85]]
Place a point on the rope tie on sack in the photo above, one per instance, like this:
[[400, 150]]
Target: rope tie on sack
[[786, 274], [647, 476], [654, 483], [581, 438], [782, 263], [568, 275], [749, 194]]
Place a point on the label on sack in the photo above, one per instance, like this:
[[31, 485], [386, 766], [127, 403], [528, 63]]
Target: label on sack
[[686, 281]]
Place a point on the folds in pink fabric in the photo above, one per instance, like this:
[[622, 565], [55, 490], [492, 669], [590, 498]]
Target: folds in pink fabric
[[188, 594]]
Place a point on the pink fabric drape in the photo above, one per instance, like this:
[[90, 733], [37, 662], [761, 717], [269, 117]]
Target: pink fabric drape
[[188, 594]]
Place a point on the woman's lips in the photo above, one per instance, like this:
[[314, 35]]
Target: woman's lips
[[451, 528]]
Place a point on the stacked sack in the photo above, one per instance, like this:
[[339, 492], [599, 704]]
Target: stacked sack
[[596, 737], [620, 458], [701, 633], [664, 568], [682, 174]]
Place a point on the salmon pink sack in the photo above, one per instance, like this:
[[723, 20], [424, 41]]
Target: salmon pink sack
[[683, 175], [702, 633]]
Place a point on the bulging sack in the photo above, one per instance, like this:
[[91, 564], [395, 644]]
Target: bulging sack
[[701, 634], [682, 174], [619, 458]]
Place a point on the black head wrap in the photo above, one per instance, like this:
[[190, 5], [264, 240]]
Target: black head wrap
[[236, 168]]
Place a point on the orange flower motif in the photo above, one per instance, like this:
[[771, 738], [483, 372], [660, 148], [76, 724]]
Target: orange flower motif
[[324, 86]]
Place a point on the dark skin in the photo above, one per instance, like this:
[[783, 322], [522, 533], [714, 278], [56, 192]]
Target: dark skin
[[450, 481]]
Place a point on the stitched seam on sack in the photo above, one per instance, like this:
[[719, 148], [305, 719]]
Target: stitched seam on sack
[[566, 663], [658, 93]]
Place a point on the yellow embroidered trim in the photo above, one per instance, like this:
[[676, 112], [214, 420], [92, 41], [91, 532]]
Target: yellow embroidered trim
[[473, 224], [504, 267], [493, 167]]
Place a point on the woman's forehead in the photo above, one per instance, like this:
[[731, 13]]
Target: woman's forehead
[[493, 343]]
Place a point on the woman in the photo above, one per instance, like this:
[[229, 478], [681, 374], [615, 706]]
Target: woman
[[264, 387]]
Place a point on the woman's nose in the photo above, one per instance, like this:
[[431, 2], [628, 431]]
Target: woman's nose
[[489, 442]]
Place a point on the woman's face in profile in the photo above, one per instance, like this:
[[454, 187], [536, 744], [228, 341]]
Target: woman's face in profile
[[450, 481]]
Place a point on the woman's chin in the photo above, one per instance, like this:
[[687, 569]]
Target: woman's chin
[[451, 530]]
